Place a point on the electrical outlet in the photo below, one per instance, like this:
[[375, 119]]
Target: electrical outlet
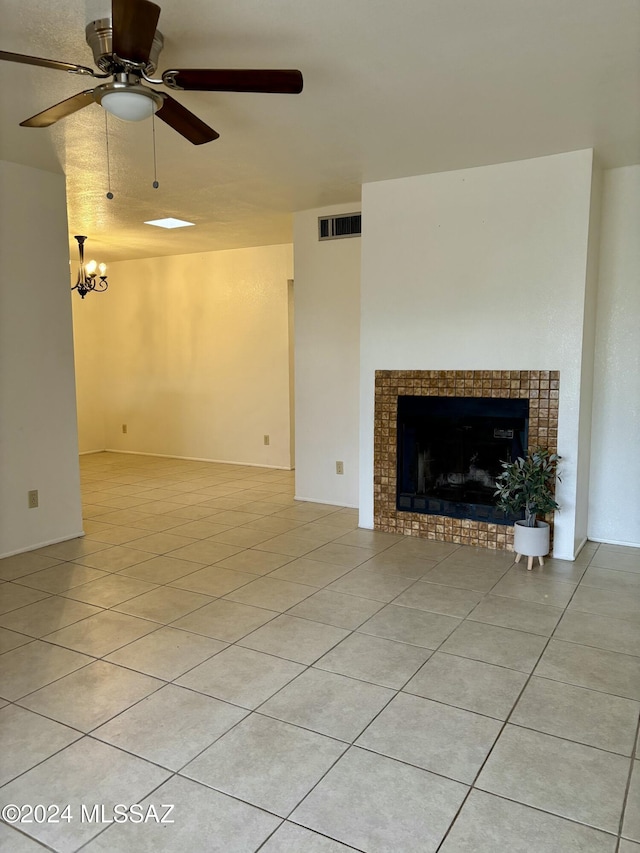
[[266, 439], [339, 467], [124, 429], [32, 497]]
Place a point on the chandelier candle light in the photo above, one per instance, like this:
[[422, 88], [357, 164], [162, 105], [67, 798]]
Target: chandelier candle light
[[88, 279]]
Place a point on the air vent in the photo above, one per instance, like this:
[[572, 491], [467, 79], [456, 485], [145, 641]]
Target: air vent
[[336, 227]]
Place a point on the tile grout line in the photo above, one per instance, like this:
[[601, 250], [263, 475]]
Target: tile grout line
[[472, 786]]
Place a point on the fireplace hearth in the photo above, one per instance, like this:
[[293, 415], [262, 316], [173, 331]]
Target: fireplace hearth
[[537, 389]]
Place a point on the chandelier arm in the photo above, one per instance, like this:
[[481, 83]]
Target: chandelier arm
[[88, 282]]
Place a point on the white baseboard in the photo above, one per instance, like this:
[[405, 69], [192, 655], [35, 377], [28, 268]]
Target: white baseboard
[[89, 452], [614, 542], [196, 459], [42, 545], [580, 547], [328, 503]]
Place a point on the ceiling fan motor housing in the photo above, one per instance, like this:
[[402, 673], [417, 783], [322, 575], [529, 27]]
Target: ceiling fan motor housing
[[100, 39]]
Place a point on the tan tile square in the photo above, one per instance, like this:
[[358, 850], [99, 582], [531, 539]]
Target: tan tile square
[[171, 726], [488, 823], [311, 572], [327, 703], [23, 564], [241, 676], [287, 543], [586, 716], [72, 774], [213, 581], [158, 523], [31, 666], [243, 536], [13, 596], [162, 569], [124, 517], [254, 562], [161, 543], [538, 770], [166, 653], [469, 684], [374, 659], [103, 633], [125, 502], [295, 639], [11, 640], [62, 577], [349, 556], [437, 737], [109, 590], [205, 551], [196, 512], [334, 608], [45, 616], [27, 739], [164, 604], [406, 625], [100, 691], [272, 593], [72, 549], [225, 620], [235, 826], [371, 585], [113, 559], [113, 534], [266, 762], [202, 529], [275, 525]]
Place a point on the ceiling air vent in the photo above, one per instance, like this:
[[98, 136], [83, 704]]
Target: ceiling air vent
[[335, 227]]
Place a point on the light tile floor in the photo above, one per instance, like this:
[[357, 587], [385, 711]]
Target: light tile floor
[[293, 684]]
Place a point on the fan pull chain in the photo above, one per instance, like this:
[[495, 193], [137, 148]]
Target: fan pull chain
[[106, 136], [155, 169]]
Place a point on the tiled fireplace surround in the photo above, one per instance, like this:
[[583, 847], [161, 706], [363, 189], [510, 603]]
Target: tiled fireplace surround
[[540, 387]]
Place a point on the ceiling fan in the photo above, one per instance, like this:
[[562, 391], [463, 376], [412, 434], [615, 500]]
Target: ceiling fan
[[126, 48]]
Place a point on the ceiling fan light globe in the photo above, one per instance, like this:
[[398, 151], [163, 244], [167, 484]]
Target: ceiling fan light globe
[[129, 106]]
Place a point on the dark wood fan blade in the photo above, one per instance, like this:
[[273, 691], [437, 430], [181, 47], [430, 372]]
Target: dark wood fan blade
[[285, 82], [45, 63], [134, 26], [58, 111], [185, 122]]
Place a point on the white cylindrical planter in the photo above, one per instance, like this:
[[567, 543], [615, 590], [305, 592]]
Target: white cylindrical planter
[[531, 541]]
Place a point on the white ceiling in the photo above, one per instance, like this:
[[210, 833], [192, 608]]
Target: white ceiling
[[392, 88]]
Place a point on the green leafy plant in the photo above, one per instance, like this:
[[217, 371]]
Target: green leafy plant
[[527, 484]]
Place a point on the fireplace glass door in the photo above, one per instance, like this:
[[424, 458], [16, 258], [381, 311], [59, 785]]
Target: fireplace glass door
[[450, 451]]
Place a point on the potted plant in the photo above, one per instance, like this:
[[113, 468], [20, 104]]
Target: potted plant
[[527, 485]]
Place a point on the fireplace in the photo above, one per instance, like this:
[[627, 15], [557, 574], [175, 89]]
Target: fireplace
[[537, 390], [450, 451]]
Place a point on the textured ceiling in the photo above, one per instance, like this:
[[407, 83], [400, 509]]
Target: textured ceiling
[[391, 89]]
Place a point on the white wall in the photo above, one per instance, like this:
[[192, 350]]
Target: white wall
[[38, 435], [195, 357], [614, 505], [90, 365], [483, 268], [327, 312], [587, 362]]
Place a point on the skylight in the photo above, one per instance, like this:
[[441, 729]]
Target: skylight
[[169, 222]]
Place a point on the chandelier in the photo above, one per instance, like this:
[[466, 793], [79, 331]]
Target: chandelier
[[88, 278]]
